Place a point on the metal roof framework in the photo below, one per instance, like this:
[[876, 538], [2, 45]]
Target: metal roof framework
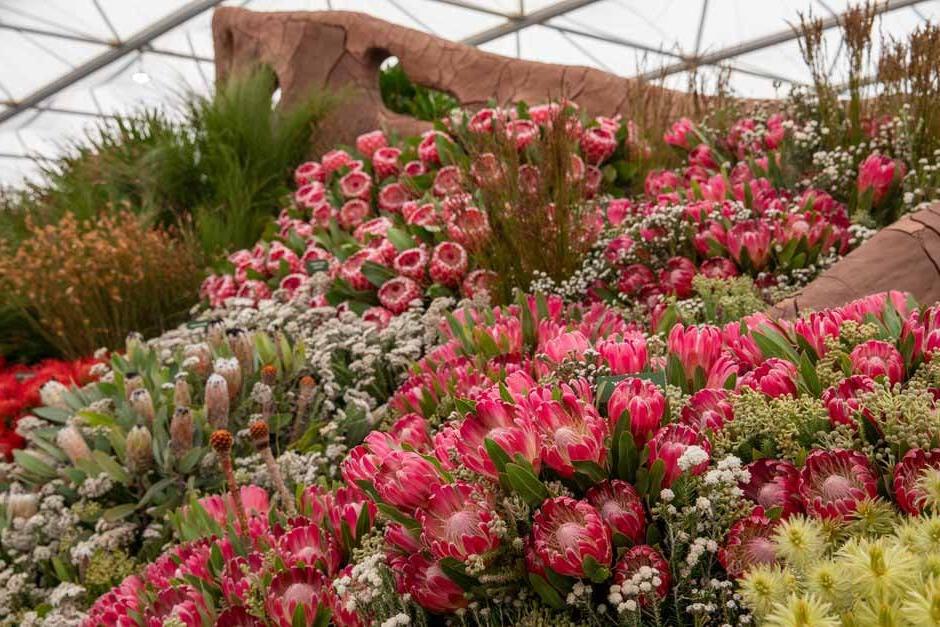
[[91, 39]]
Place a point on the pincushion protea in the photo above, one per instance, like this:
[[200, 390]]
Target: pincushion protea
[[832, 482], [566, 532], [621, 508], [911, 497], [397, 294], [458, 521], [774, 483], [749, 542]]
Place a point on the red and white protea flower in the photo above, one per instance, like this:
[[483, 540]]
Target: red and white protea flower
[[310, 195], [572, 431], [774, 377], [427, 149], [507, 426], [400, 543], [311, 545], [458, 521], [385, 162], [383, 249], [597, 144], [718, 268], [843, 400], [482, 120], [709, 408], [353, 213], [642, 403], [487, 171], [478, 282], [566, 532], [833, 482], [626, 355], [334, 160], [448, 263], [412, 263], [817, 327], [522, 132], [696, 346], [634, 278], [379, 316], [751, 239], [876, 358], [908, 473], [392, 197], [308, 172], [427, 584], [292, 282], [412, 429], [643, 564], [749, 543], [397, 294], [774, 483], [447, 182], [302, 589], [468, 226], [351, 269], [368, 143], [621, 508], [682, 449], [405, 480], [679, 134], [677, 276], [356, 184]]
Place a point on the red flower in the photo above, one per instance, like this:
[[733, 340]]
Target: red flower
[[457, 521], [670, 443], [643, 404], [629, 570], [295, 588], [749, 543], [875, 358], [843, 400], [909, 496], [565, 532], [708, 409], [427, 584], [775, 377], [774, 483], [621, 508], [833, 482]]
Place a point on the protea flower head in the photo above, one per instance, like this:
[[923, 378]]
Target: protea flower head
[[908, 473], [642, 402], [311, 545], [643, 564], [682, 450], [400, 543], [598, 143], [183, 604], [448, 263], [138, 454], [817, 327], [412, 263], [752, 238], [774, 377], [677, 276], [843, 400], [72, 443], [877, 173], [774, 483], [566, 532], [709, 408], [398, 293], [458, 521], [626, 355], [301, 587], [832, 482], [876, 358], [634, 278], [412, 429], [406, 480], [696, 346], [385, 162], [749, 543], [572, 431], [368, 143], [427, 584], [507, 426], [621, 508], [718, 268]]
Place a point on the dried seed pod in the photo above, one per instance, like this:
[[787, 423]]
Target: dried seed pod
[[269, 374], [217, 401]]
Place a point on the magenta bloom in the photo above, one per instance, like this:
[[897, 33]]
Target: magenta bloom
[[621, 508], [392, 197], [877, 173], [624, 356], [424, 580], [368, 143], [397, 294], [563, 345], [670, 443], [678, 135], [644, 404], [749, 543], [597, 144], [696, 346], [636, 558], [385, 162], [875, 358], [565, 532], [774, 483], [817, 327], [754, 238], [843, 401], [302, 587], [677, 276], [503, 423], [311, 545], [412, 429], [775, 377], [356, 184], [909, 496], [448, 263], [634, 278], [457, 521], [832, 482], [708, 409], [718, 268], [571, 431], [406, 480]]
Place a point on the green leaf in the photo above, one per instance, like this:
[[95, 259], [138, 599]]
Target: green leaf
[[52, 414], [497, 455], [118, 512], [61, 570], [809, 377], [111, 467], [190, 458], [376, 273], [547, 593], [400, 239], [526, 484], [34, 465], [595, 570], [393, 514], [591, 470]]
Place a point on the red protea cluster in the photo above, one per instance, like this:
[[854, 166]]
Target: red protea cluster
[[833, 482]]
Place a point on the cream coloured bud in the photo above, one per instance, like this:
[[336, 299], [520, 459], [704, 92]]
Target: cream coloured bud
[[217, 401], [134, 341], [132, 383], [182, 396], [215, 334], [138, 452], [52, 394], [242, 344], [232, 371], [198, 357], [73, 444], [142, 403], [181, 431], [21, 505]]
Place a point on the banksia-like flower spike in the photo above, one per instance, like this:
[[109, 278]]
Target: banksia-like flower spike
[[217, 401], [258, 430], [240, 341], [181, 431], [73, 444], [182, 397], [231, 370], [138, 454], [215, 333], [197, 358], [308, 386], [132, 382], [142, 403], [221, 441]]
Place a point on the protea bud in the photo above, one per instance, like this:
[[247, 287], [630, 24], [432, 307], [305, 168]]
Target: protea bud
[[641, 403], [20, 505], [138, 454], [132, 382], [221, 442], [775, 377], [876, 358], [217, 401], [71, 441], [311, 545], [215, 333], [132, 342], [197, 358], [430, 587], [240, 341], [182, 396], [231, 370], [682, 450], [405, 480], [181, 431], [263, 396], [566, 532], [142, 403], [261, 440]]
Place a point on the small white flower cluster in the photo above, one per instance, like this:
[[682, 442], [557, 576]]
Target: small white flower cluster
[[644, 582], [364, 583], [580, 592], [398, 619], [692, 457]]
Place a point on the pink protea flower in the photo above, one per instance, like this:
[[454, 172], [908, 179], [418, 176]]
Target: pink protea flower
[[696, 346], [308, 172], [311, 545], [817, 327], [368, 143], [412, 263], [597, 144], [682, 450], [486, 170], [221, 508], [427, 584], [334, 160], [447, 181], [427, 149], [774, 483], [361, 464], [302, 587], [572, 431], [832, 482], [642, 402], [703, 157], [392, 196], [292, 282], [626, 355], [875, 358], [237, 616], [397, 294], [445, 446], [677, 276], [909, 495], [774, 377], [414, 168], [344, 508], [659, 182], [482, 120], [385, 162], [353, 213], [405, 480], [458, 521], [753, 238], [114, 607], [709, 408], [412, 429], [628, 569], [478, 281], [469, 226], [382, 249], [379, 316], [310, 195], [621, 508], [448, 263], [522, 132], [254, 290], [356, 184], [877, 173], [678, 135], [400, 543], [503, 423], [843, 400], [183, 603], [564, 345], [718, 268], [634, 278], [749, 543], [529, 179], [565, 532]]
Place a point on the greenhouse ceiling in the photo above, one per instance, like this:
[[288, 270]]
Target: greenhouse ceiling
[[68, 64]]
